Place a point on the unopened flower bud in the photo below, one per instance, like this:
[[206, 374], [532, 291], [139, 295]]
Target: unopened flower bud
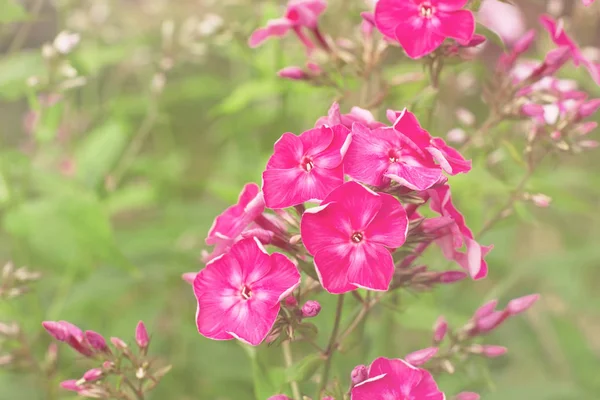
[[465, 117], [492, 351], [532, 110], [420, 357], [359, 374], [440, 329], [314, 68], [368, 24], [95, 392], [189, 277], [448, 366], [485, 309], [521, 304], [107, 365], [118, 343], [295, 239], [92, 375], [589, 144], [51, 354], [311, 309], [541, 200], [293, 73], [141, 335], [291, 301], [490, 322], [467, 396], [452, 276], [140, 373], [70, 385], [279, 397], [96, 340], [586, 127], [57, 330], [456, 135], [588, 108]]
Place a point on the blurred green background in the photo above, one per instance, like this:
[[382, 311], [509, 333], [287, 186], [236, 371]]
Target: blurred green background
[[164, 113]]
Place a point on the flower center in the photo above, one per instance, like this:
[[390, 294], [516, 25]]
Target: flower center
[[394, 155], [357, 237], [426, 10], [307, 163], [246, 292]]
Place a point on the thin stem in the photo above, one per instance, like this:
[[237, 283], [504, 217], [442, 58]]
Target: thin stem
[[367, 305], [331, 346], [289, 361], [138, 394], [21, 36]]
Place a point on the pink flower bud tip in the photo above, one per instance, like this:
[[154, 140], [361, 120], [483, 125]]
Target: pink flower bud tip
[[521, 304], [57, 330], [440, 329], [96, 340], [311, 309], [491, 321], [291, 301], [70, 385], [359, 374], [467, 396], [420, 357], [92, 375], [452, 276], [189, 277], [293, 73], [118, 343], [541, 200], [279, 397], [141, 335], [485, 309], [492, 351]]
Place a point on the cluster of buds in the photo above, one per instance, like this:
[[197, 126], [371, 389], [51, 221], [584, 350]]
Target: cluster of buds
[[118, 363], [290, 324], [452, 346], [61, 75], [14, 281]]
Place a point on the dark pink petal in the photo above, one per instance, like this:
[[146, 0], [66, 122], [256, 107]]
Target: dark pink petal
[[278, 283], [557, 32], [251, 321], [316, 140], [288, 152], [449, 159], [418, 37], [412, 134], [459, 25], [367, 157], [449, 5], [275, 28], [390, 226], [71, 385], [391, 13], [370, 266], [414, 177], [593, 69], [331, 264], [333, 117], [332, 156], [324, 226], [360, 203]]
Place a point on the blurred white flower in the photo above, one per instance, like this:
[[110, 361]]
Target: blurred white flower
[[66, 41], [504, 19]]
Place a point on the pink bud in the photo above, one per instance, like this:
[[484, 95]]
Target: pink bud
[[368, 24], [92, 375], [588, 108], [70, 385], [293, 73], [556, 135], [118, 343], [264, 236], [96, 340], [524, 43], [467, 396], [189, 277], [452, 276], [141, 335], [311, 309], [521, 304], [541, 200], [314, 68], [291, 301], [328, 398], [279, 397], [359, 374], [492, 351], [532, 110], [586, 127], [56, 330], [107, 365], [485, 309], [490, 322], [589, 144], [440, 329], [420, 357]]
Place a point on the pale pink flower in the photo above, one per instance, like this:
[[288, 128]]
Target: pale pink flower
[[457, 235], [420, 357], [279, 397], [420, 26], [492, 351], [229, 225], [349, 236], [504, 19], [299, 15], [396, 379], [560, 38], [521, 304], [541, 200], [239, 293], [306, 167], [356, 114]]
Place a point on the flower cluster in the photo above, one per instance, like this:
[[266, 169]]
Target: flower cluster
[[116, 365]]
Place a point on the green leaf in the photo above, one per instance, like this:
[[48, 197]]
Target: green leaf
[[14, 71], [12, 11], [304, 369], [100, 151], [490, 35]]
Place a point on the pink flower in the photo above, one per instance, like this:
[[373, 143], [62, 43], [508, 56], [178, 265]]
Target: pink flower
[[306, 167], [560, 38], [71, 385], [230, 224], [239, 293], [92, 375], [587, 2], [357, 114], [349, 236], [396, 379], [504, 19], [420, 26], [458, 234], [279, 397], [300, 14]]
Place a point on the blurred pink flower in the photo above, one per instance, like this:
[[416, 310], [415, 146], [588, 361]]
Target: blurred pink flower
[[349, 236], [587, 2], [306, 167], [504, 19], [396, 379], [420, 357], [239, 293], [440, 329], [356, 114], [420, 26], [467, 396]]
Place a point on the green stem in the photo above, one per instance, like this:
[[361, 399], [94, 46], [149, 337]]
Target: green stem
[[331, 346], [287, 356]]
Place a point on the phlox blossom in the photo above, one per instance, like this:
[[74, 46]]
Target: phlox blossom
[[349, 236], [420, 26], [396, 379], [239, 292]]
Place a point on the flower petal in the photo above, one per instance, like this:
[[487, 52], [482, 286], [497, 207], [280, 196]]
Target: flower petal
[[361, 204], [414, 177], [390, 13], [333, 155], [282, 279], [316, 140], [418, 37], [371, 266], [449, 5], [459, 25], [325, 226], [331, 264], [390, 226], [275, 27], [288, 151], [253, 321]]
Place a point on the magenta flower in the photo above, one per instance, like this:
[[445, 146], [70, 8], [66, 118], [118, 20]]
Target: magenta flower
[[420, 26], [356, 114], [230, 224], [349, 236], [306, 167], [457, 234], [300, 14], [587, 2], [239, 293], [406, 154], [396, 379], [560, 38]]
